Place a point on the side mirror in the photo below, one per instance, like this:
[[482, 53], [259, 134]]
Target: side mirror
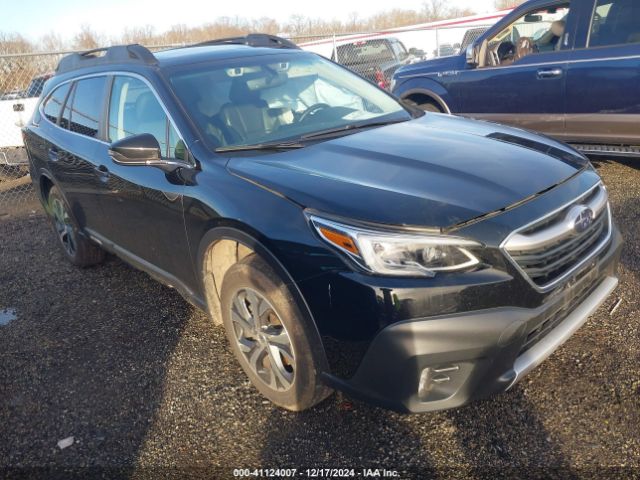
[[471, 55], [141, 149]]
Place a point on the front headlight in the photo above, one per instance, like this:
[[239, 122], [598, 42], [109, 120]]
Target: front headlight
[[398, 254]]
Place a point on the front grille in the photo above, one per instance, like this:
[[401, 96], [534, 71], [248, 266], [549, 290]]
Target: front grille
[[540, 327], [551, 248]]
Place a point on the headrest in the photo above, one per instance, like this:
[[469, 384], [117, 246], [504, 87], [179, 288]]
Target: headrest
[[557, 28]]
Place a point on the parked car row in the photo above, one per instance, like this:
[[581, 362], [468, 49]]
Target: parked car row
[[376, 60], [576, 78]]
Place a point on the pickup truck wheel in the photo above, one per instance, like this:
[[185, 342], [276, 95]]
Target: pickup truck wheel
[[270, 337], [430, 107], [77, 248]]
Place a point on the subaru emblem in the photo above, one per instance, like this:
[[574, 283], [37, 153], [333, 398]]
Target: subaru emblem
[[583, 220]]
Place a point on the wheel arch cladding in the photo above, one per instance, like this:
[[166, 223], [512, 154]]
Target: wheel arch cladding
[[223, 246], [46, 184]]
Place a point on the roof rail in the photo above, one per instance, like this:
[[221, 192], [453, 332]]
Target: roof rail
[[135, 54], [252, 40]]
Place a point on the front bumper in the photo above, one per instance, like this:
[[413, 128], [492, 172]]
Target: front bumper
[[444, 362]]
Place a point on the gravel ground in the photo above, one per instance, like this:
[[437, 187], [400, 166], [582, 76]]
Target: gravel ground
[[147, 386]]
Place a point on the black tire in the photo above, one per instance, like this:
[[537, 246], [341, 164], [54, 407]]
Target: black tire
[[252, 277], [77, 248], [430, 107]]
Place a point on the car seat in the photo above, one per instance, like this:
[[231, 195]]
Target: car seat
[[246, 113]]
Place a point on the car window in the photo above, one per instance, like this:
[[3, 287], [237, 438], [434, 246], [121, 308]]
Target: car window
[[272, 98], [615, 23], [401, 52], [537, 31], [65, 118], [134, 109], [54, 103], [35, 87], [368, 51], [86, 109]]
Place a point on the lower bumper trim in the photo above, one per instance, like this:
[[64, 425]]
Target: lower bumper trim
[[545, 347]]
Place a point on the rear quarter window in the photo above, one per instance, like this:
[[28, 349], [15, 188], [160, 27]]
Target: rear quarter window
[[53, 104], [86, 110]]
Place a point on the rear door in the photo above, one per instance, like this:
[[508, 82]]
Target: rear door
[[73, 156], [72, 152], [603, 82], [529, 91]]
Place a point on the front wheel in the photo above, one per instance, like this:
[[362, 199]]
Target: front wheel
[[78, 249], [270, 337]]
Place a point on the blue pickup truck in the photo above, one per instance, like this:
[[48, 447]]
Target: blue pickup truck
[[570, 69]]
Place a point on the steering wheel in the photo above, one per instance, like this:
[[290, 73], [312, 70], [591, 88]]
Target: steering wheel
[[312, 110], [506, 51]]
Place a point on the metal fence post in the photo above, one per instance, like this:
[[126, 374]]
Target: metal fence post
[[335, 49]]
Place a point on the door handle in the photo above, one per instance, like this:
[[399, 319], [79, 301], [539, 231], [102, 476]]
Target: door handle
[[550, 73], [54, 154]]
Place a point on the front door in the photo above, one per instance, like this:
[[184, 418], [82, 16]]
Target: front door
[[144, 203], [521, 76]]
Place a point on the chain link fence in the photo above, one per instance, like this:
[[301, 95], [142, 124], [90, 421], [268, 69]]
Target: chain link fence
[[374, 55], [21, 81]]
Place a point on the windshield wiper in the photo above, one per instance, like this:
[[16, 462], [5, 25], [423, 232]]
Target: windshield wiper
[[314, 135], [349, 128], [261, 146]]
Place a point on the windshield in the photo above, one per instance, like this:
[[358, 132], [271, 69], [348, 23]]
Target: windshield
[[276, 98]]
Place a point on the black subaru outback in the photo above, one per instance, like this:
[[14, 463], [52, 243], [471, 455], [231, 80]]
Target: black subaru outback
[[345, 241]]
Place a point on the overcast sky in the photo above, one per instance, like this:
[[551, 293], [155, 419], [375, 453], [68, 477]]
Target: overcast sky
[[34, 18]]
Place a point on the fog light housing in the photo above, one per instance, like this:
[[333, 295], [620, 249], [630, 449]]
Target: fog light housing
[[437, 382]]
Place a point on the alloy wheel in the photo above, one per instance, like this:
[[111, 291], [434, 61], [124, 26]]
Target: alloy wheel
[[263, 339], [63, 226]]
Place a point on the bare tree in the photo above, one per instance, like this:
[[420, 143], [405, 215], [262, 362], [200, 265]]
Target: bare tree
[[266, 25], [504, 4], [143, 35], [298, 26], [13, 43], [87, 39], [52, 42], [435, 10]]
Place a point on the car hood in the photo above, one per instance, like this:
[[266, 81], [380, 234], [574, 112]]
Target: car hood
[[436, 171]]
